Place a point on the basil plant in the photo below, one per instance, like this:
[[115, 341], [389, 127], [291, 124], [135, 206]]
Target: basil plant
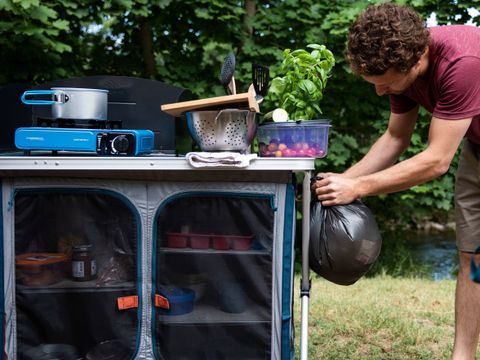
[[300, 83]]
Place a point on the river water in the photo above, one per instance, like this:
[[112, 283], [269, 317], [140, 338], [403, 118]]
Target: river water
[[439, 252]]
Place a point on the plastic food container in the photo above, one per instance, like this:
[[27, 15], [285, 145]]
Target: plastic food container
[[221, 242], [306, 138], [40, 269], [242, 243], [232, 242], [199, 241], [180, 299], [177, 240]]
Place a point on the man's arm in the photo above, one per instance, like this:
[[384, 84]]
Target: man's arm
[[444, 138], [388, 148]]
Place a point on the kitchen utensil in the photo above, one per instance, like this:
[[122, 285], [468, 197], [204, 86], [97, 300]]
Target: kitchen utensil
[[226, 74], [72, 103], [224, 130], [241, 101], [260, 79]]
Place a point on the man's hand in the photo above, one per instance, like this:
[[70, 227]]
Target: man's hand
[[335, 189]]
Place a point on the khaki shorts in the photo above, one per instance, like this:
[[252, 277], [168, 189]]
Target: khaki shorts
[[467, 198]]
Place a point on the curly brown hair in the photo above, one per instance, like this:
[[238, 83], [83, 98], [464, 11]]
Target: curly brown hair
[[386, 36]]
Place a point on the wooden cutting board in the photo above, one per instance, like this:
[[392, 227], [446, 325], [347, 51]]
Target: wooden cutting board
[[240, 101]]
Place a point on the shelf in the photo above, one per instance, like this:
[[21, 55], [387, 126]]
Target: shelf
[[189, 251], [208, 314], [77, 286]]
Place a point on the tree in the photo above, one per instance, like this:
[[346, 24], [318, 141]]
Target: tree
[[184, 43]]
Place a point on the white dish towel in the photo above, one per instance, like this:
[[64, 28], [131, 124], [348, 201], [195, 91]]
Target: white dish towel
[[211, 159]]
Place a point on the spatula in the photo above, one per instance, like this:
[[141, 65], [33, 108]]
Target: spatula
[[226, 74], [260, 79]]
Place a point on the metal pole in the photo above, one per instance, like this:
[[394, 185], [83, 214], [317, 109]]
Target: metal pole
[[305, 281]]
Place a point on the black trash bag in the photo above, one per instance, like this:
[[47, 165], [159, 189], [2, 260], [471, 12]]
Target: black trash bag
[[344, 241]]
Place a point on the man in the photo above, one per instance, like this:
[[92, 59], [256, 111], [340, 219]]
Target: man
[[437, 68]]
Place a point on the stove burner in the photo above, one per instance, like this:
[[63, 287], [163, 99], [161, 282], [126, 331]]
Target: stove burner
[[78, 123]]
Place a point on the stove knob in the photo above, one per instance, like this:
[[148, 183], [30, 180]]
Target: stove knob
[[120, 144]]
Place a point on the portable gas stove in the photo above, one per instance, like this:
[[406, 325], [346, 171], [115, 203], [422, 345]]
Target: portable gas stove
[[115, 142]]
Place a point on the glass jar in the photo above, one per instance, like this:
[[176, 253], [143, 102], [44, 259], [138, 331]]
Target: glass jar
[[84, 264]]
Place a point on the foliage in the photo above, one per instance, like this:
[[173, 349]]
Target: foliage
[[303, 79], [184, 43]]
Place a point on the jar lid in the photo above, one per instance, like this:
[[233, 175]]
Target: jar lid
[[82, 247]]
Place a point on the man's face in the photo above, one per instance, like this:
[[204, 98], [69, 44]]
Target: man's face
[[392, 81]]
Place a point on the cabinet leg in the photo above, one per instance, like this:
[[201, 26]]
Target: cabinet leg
[[305, 281]]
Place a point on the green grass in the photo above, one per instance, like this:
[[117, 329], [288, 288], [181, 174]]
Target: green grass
[[379, 318]]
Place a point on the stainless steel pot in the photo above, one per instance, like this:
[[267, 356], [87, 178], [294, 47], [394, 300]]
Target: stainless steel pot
[[72, 103]]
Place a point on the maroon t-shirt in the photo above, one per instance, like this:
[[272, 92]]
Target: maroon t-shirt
[[451, 87]]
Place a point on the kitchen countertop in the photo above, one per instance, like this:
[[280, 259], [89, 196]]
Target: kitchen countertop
[[142, 167], [152, 162]]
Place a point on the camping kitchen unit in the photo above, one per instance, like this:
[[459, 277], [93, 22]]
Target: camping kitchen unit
[[167, 262]]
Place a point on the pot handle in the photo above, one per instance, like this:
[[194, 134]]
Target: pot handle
[[26, 101]]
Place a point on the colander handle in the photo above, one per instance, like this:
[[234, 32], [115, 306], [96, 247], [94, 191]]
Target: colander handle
[[219, 113]]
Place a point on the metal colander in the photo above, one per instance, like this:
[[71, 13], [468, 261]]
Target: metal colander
[[222, 130]]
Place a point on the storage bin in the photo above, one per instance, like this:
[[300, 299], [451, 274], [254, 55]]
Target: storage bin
[[180, 300], [307, 138]]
